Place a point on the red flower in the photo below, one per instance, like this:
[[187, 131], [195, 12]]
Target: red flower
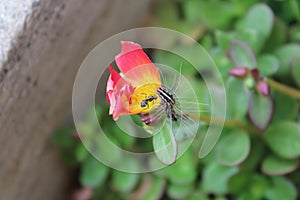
[[140, 79]]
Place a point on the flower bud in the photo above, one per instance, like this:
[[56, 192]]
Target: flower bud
[[240, 72], [263, 88]]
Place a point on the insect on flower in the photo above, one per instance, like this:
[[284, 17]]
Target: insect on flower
[[145, 102], [138, 89]]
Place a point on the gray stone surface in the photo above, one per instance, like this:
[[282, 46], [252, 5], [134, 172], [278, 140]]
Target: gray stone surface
[[42, 47], [13, 14]]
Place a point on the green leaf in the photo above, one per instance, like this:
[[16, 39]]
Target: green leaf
[[177, 191], [100, 109], [255, 188], [69, 158], [243, 6], [260, 19], [295, 177], [274, 165], [125, 140], [197, 195], [223, 39], [285, 107], [278, 36], [223, 63], [268, 64], [233, 148], [81, 152], [215, 178], [93, 173], [242, 55], [62, 137], [124, 182], [165, 145], [101, 144], [155, 186], [286, 54], [101, 147], [295, 8], [207, 42], [165, 14], [260, 110], [282, 189], [239, 182], [166, 11], [180, 56], [283, 138], [295, 34], [237, 98], [184, 171], [255, 157], [220, 198], [205, 12], [170, 59], [295, 70], [249, 36]]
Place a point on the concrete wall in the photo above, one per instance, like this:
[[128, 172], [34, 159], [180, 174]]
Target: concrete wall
[[40, 54]]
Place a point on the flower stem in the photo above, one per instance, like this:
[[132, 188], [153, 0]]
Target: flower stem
[[228, 123], [283, 88]]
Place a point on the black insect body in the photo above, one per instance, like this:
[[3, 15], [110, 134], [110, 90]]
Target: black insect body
[[168, 102], [145, 102]]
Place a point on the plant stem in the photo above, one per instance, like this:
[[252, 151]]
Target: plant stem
[[226, 122], [283, 88], [243, 126]]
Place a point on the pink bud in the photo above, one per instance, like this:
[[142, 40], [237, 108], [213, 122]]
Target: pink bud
[[240, 72], [263, 88], [255, 73]]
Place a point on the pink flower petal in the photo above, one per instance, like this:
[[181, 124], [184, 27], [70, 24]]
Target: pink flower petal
[[131, 56], [113, 79], [136, 65], [111, 83], [138, 70], [118, 92], [122, 98]]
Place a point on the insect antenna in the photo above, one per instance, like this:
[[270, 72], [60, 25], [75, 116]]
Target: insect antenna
[[164, 80], [179, 78]]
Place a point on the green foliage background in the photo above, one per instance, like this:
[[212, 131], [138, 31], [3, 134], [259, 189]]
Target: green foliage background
[[245, 163]]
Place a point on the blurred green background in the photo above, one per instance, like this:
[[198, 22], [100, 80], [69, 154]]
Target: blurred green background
[[257, 156]]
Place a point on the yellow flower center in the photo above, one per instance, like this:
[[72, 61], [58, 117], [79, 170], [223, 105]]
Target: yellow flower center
[[144, 98]]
